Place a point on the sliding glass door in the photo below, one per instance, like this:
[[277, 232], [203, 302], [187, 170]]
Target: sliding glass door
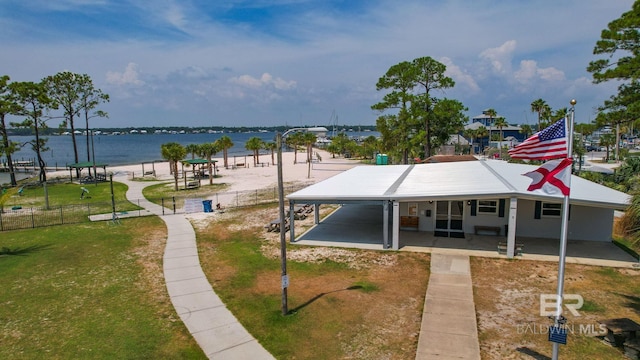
[[449, 216]]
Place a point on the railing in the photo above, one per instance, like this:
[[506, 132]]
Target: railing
[[230, 199]]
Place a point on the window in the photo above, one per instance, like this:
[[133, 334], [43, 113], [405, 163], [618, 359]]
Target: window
[[487, 206], [551, 209]]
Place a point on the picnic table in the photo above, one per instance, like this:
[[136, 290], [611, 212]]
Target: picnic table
[[274, 226]]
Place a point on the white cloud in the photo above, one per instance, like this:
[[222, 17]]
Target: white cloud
[[551, 74], [461, 77], [212, 64], [500, 57], [266, 80], [529, 71], [129, 76]]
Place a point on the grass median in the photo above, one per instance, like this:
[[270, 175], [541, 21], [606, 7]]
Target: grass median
[[92, 290]]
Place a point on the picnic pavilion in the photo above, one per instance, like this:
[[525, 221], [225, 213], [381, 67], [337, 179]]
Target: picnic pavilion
[[459, 200], [88, 165]]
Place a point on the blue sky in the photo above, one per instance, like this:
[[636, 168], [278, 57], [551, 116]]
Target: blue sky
[[295, 62]]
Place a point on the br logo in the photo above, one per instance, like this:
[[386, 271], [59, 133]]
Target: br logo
[[549, 304]]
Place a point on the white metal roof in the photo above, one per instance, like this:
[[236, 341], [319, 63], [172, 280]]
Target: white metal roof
[[467, 179], [358, 183]]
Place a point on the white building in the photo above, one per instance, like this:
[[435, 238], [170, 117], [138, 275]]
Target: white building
[[457, 198]]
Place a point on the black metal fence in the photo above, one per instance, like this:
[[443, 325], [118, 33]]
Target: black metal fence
[[230, 199], [14, 218]]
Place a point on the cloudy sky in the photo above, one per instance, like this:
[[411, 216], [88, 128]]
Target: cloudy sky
[[295, 62]]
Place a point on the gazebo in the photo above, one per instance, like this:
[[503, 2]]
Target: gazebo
[[88, 165], [199, 172]]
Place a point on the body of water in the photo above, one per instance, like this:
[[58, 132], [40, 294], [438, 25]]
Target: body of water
[[130, 148]]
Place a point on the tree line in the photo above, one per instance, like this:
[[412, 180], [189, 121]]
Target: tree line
[[65, 96]]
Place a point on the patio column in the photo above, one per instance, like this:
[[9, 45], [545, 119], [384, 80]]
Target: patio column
[[511, 234], [396, 226], [292, 235], [316, 214], [385, 224]]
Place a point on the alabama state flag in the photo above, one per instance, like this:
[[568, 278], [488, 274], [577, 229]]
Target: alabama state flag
[[553, 177]]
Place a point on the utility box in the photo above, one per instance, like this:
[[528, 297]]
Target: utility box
[[382, 159]]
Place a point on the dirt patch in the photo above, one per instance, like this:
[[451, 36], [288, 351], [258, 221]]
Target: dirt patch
[[507, 297], [349, 304]]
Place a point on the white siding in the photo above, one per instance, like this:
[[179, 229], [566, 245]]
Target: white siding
[[585, 223]]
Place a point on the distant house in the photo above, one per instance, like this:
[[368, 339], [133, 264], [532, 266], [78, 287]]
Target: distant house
[[488, 122], [456, 199]]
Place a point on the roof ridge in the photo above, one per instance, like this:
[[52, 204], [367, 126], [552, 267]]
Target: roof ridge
[[496, 174], [392, 189]]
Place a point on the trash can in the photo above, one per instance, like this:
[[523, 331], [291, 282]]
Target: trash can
[[207, 205]]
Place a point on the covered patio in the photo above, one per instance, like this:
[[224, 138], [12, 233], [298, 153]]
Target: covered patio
[[469, 200], [361, 227]]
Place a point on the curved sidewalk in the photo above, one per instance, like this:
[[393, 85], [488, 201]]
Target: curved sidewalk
[[212, 325]]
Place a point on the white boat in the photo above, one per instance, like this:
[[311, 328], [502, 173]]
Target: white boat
[[319, 131]]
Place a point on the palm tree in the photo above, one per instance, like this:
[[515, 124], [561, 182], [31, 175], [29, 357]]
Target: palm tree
[[540, 106], [255, 144], [173, 152], [192, 149], [481, 133], [491, 113], [607, 140], [271, 146], [471, 134], [526, 130], [500, 123], [308, 139], [207, 150], [333, 149], [370, 146], [630, 221], [293, 140], [225, 144]]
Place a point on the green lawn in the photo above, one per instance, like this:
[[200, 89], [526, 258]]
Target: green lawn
[[98, 196], [88, 291], [354, 304], [155, 193]]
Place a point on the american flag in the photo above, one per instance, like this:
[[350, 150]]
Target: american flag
[[550, 143]]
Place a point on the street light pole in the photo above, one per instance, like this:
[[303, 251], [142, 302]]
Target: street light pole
[[283, 240]]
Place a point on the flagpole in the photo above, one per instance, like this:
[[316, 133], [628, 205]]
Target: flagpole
[[559, 320]]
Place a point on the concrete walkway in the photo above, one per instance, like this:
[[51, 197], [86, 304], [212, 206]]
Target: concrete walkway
[[212, 325], [449, 328]]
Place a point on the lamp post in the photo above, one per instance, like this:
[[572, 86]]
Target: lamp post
[[283, 241]]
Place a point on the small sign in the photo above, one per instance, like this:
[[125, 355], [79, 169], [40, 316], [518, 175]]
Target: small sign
[[193, 206], [285, 281], [558, 334]]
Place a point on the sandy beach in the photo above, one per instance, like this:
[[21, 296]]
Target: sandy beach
[[249, 177]]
